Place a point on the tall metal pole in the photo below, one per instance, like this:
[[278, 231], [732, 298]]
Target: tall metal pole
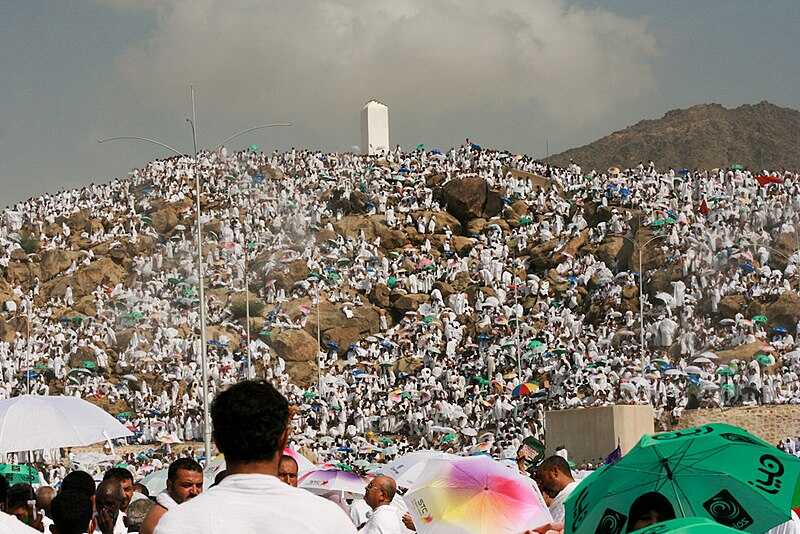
[[319, 337], [201, 294], [29, 346], [247, 308], [641, 307]]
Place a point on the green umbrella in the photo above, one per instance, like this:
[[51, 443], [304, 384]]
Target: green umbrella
[[534, 344], [420, 146], [428, 319], [716, 471], [760, 319], [687, 525], [725, 371], [19, 474], [524, 220], [764, 359], [737, 167], [392, 282], [448, 438], [309, 395], [88, 364], [730, 388], [253, 148]]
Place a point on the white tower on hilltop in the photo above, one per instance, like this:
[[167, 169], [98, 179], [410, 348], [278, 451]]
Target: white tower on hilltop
[[374, 128]]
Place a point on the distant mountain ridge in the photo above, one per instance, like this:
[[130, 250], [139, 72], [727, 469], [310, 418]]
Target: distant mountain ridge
[[706, 136]]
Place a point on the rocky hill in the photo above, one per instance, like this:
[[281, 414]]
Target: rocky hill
[[707, 136]]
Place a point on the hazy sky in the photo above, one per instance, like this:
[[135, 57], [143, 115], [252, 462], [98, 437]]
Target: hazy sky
[[508, 74]]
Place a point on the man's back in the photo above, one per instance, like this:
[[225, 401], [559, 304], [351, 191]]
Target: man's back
[[257, 504]]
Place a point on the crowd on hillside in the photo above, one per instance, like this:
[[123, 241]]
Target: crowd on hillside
[[535, 309]]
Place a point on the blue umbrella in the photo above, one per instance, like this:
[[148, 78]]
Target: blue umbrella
[[779, 330], [747, 267], [436, 151], [473, 146]]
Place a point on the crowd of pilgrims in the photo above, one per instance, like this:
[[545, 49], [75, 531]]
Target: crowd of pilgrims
[[458, 392]]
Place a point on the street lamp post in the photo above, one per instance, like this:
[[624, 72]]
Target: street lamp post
[[641, 248], [201, 288]]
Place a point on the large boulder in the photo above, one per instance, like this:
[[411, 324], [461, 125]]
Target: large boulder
[[410, 302], [102, 272], [470, 198], [730, 305], [785, 311], [23, 273], [294, 345], [55, 261], [475, 226], [353, 225], [463, 245], [380, 295], [610, 250], [443, 220], [302, 373], [165, 220], [291, 273]]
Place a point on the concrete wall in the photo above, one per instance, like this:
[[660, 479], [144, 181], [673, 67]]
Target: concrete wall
[[374, 128], [592, 433], [770, 423]]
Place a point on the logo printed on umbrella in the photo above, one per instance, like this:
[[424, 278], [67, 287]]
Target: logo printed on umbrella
[[612, 522], [687, 433], [655, 529], [725, 509], [740, 438], [422, 510], [773, 469], [581, 509]]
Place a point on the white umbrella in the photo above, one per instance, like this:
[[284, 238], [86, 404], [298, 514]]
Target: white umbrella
[[406, 469], [674, 372], [475, 495], [693, 369], [61, 421], [702, 359], [708, 354], [333, 480]]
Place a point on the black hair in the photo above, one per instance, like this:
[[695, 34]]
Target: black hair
[[72, 512], [79, 481], [3, 492], [119, 474], [187, 464], [646, 503], [19, 494], [555, 462], [248, 420]]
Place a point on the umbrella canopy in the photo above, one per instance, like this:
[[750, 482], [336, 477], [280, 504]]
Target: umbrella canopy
[[687, 525], [327, 480], [715, 471], [408, 468], [475, 495], [61, 421], [522, 390], [19, 474]]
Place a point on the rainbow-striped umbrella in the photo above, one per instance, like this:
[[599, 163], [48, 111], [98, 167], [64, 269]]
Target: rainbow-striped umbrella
[[475, 495], [333, 480], [526, 388]]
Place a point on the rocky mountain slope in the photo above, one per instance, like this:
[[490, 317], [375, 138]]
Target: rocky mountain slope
[[707, 136]]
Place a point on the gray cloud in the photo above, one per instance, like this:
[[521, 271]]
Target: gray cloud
[[444, 67]]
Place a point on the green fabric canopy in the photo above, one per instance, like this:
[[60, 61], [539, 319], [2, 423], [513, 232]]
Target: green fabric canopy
[[715, 471], [688, 525], [19, 474]]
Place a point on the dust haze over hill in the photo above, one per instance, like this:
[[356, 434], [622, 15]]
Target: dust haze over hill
[[707, 136]]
